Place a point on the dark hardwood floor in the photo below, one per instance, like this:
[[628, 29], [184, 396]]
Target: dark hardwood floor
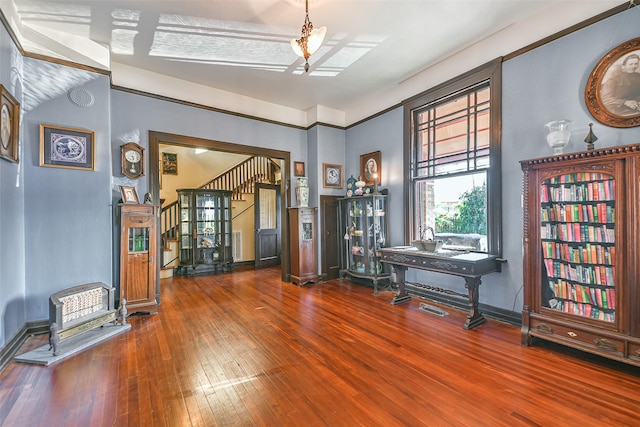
[[245, 349]]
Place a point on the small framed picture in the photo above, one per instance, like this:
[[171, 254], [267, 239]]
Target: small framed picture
[[332, 176], [169, 163], [9, 126], [129, 194], [62, 147], [298, 169], [371, 164]]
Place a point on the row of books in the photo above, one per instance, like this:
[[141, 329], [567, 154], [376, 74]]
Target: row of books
[[579, 177], [599, 297], [579, 212], [585, 310], [585, 191], [578, 232], [593, 274], [591, 253]]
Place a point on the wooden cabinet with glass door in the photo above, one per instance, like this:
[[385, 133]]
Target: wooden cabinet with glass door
[[363, 220], [138, 260], [205, 231], [302, 230], [581, 287]]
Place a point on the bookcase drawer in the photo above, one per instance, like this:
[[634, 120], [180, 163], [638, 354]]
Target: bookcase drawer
[[580, 337], [634, 351]]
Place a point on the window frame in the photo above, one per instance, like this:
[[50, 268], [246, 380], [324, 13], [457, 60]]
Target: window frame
[[491, 72]]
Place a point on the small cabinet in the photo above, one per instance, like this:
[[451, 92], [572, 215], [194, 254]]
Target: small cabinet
[[364, 222], [302, 231], [138, 260], [204, 230]]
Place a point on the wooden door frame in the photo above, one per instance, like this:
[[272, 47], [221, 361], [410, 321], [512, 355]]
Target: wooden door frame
[[279, 221], [323, 248], [156, 138]]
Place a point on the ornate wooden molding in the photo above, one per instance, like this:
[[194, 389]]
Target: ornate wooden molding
[[620, 150]]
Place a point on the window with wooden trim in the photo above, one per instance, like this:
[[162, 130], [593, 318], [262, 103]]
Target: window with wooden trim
[[453, 155]]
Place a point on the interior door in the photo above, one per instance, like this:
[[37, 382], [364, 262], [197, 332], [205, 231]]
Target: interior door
[[331, 238], [268, 220]]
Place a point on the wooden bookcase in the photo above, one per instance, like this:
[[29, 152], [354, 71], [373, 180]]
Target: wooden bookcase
[[581, 261]]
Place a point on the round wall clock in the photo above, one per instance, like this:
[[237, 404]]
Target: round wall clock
[[132, 160]]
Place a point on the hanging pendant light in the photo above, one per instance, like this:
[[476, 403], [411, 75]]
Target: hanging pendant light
[[310, 39]]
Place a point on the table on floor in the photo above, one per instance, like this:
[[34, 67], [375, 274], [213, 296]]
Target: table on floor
[[469, 265]]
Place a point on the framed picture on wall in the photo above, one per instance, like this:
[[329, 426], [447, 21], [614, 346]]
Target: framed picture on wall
[[370, 164], [332, 176], [298, 169], [63, 147], [612, 94], [169, 163], [9, 126]]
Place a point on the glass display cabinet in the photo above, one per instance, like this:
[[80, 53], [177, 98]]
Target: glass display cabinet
[[204, 231], [364, 222]]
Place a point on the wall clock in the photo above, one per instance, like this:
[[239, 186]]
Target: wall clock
[[132, 160]]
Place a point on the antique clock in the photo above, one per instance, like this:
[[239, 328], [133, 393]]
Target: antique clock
[[132, 160]]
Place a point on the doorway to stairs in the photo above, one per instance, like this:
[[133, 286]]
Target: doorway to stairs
[[156, 139]]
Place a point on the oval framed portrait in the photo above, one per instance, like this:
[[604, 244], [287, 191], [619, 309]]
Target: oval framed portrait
[[612, 94]]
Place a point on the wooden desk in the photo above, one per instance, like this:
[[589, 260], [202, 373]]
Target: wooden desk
[[469, 265]]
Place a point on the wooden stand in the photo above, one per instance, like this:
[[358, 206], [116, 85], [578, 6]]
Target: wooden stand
[[138, 247], [302, 229]]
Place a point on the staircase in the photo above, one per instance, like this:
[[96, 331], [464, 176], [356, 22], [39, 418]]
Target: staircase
[[240, 179]]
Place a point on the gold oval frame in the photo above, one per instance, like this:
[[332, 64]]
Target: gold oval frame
[[592, 94]]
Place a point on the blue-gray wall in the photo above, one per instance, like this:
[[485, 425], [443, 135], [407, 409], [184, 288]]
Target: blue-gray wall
[[544, 84], [12, 222], [56, 224]]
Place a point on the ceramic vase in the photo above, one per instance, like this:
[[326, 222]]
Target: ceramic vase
[[302, 192]]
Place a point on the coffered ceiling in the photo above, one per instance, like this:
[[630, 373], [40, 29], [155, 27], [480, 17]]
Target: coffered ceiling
[[235, 54]]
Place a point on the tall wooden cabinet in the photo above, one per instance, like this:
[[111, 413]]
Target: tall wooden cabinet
[[581, 257], [303, 238], [364, 222], [138, 257], [205, 231]]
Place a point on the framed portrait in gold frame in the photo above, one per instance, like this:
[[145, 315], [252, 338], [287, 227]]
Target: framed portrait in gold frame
[[9, 126], [612, 94]]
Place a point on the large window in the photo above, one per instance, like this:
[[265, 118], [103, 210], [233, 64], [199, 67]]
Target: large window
[[453, 155]]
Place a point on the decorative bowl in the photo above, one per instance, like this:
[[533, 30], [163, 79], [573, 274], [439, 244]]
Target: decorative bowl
[[427, 245]]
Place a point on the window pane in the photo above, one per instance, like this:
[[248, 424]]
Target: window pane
[[455, 208], [452, 135]]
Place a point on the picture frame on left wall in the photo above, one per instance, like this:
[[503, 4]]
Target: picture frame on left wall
[[9, 126], [64, 147]]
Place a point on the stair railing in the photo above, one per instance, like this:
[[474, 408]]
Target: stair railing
[[239, 179]]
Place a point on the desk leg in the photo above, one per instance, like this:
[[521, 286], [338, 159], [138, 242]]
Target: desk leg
[[402, 295], [474, 318]]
